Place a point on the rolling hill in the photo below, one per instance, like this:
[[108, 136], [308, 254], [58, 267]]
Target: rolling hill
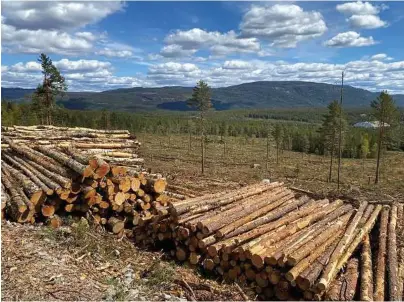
[[283, 94]]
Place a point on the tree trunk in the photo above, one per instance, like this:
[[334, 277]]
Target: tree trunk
[[331, 162], [379, 148]]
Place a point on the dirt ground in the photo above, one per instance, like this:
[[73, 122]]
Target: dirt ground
[[243, 160], [81, 263]]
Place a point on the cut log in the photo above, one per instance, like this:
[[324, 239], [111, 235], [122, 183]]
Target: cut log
[[366, 289], [392, 267], [115, 225], [380, 274], [34, 193], [62, 158], [29, 173], [40, 159], [46, 180], [330, 271]]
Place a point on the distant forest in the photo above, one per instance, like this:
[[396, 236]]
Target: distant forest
[[299, 127]]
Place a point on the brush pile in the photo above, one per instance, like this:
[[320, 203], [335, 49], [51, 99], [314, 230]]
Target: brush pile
[[47, 171], [285, 246]]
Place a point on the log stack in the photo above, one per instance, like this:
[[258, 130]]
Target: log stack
[[284, 246], [49, 171]]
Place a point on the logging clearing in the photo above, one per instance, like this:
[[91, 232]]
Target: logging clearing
[[282, 243]]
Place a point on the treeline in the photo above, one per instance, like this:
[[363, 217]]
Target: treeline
[[289, 135]]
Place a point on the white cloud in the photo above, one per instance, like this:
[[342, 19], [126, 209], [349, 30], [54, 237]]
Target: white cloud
[[381, 57], [175, 51], [186, 43], [36, 41], [81, 75], [283, 24], [52, 15], [366, 21], [86, 35], [365, 74], [115, 53], [237, 64], [350, 39], [363, 14], [374, 75], [358, 8]]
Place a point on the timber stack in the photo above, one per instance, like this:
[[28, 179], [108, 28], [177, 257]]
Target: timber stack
[[285, 246], [49, 171]]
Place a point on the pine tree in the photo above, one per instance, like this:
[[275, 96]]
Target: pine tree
[[53, 84], [330, 131], [201, 100], [386, 113]]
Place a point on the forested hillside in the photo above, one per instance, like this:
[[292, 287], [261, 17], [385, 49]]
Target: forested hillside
[[249, 95]]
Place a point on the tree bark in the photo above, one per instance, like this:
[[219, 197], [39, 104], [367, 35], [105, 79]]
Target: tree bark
[[380, 274]]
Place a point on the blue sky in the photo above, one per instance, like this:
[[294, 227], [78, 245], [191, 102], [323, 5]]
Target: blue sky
[[107, 45]]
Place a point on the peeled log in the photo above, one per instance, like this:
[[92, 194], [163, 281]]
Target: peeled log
[[392, 256], [380, 274], [330, 271], [366, 290]]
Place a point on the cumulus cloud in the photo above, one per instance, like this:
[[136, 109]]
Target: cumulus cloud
[[52, 15], [366, 21], [350, 39], [39, 40], [358, 8], [363, 73], [96, 75], [185, 43], [81, 75], [175, 51], [381, 57], [362, 14], [284, 25], [51, 27]]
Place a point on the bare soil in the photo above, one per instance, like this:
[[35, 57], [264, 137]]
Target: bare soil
[[80, 263]]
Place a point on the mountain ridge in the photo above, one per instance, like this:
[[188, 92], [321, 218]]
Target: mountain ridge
[[261, 94]]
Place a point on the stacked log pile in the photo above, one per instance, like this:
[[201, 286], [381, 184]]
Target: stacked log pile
[[49, 170], [283, 246]]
